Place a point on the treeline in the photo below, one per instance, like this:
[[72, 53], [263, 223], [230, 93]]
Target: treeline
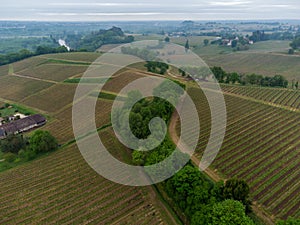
[[249, 79], [96, 39], [262, 36], [23, 54], [295, 43], [17, 148], [204, 202], [144, 53]]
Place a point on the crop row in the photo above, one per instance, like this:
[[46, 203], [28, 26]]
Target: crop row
[[261, 145], [284, 97]]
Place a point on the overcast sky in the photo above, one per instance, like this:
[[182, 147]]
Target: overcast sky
[[103, 10]]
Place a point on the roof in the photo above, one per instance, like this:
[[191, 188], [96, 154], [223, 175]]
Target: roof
[[23, 124], [38, 118]]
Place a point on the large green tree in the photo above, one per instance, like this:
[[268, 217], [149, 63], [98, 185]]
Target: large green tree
[[42, 141], [228, 212], [289, 221], [237, 190]]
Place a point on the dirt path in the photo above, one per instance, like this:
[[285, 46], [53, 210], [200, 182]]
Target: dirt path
[[209, 172], [34, 78]]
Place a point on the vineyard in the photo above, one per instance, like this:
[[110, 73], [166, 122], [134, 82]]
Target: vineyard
[[283, 97], [261, 146], [54, 72], [63, 189], [17, 88], [61, 126]]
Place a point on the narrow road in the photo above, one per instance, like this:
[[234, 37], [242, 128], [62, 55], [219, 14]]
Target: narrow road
[[34, 78]]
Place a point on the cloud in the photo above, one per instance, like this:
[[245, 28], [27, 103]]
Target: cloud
[[230, 3], [103, 4]]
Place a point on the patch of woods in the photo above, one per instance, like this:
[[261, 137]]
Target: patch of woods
[[202, 73], [142, 112], [79, 42], [24, 54], [19, 148], [94, 40], [249, 79], [204, 202], [295, 45]]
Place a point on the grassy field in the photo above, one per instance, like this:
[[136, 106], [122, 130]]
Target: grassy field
[[261, 146], [271, 46]]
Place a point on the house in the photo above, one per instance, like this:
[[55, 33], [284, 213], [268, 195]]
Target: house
[[22, 125]]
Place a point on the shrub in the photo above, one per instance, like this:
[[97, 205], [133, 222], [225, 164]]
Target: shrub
[[10, 157]]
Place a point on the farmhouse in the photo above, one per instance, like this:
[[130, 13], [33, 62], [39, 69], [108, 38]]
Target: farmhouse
[[22, 125]]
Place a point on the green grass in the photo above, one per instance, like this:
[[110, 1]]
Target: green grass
[[7, 111], [10, 69], [271, 46], [86, 80], [60, 61], [107, 96]]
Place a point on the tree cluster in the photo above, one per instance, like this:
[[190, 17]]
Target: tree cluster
[[201, 73], [295, 43], [144, 53], [20, 148], [157, 67], [262, 36], [142, 112], [149, 56], [95, 40], [23, 54], [249, 79], [204, 202]]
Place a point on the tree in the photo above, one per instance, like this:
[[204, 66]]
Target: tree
[[237, 190], [228, 212], [296, 43], [289, 221], [206, 42], [13, 144], [187, 45], [291, 51], [42, 141], [234, 43], [297, 85], [167, 39]]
